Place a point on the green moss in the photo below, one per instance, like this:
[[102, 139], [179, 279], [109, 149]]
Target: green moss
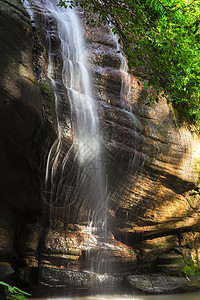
[[45, 86], [197, 165], [174, 115], [44, 49], [190, 269], [191, 200]]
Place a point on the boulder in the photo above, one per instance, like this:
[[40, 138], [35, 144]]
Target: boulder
[[157, 284]]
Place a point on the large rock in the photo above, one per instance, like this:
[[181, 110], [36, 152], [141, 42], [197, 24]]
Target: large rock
[[159, 155], [157, 284], [22, 126], [69, 281], [27, 130], [153, 172]]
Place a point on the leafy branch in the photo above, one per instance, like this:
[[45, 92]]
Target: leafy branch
[[14, 292]]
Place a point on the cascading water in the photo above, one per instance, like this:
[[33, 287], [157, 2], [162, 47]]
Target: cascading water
[[77, 82], [125, 94], [85, 186], [75, 180], [136, 162]]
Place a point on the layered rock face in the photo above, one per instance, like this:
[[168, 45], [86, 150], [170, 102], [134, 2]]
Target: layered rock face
[[151, 162], [22, 112], [155, 198], [26, 115]]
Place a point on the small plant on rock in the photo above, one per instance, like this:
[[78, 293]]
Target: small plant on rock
[[14, 292], [190, 269]]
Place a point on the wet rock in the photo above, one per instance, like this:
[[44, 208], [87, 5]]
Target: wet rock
[[109, 282], [65, 278], [81, 247], [157, 284], [70, 280], [49, 277], [73, 281]]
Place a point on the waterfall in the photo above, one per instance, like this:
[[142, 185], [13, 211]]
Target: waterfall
[[136, 163], [77, 83], [126, 94], [75, 186], [74, 180]]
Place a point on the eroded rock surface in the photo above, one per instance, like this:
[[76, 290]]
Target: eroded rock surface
[[155, 192], [159, 153], [22, 127]]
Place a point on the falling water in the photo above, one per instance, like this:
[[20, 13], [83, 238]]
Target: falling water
[[129, 171], [125, 93], [126, 96], [77, 82], [74, 179]]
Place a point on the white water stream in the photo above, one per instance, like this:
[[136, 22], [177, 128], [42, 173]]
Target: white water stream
[[84, 185], [77, 82], [125, 93]]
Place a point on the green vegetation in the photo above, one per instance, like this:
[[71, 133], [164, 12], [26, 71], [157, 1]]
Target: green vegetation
[[190, 269], [44, 86], [161, 39], [44, 49], [197, 165], [14, 292]]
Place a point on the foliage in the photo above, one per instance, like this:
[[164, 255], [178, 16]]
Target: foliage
[[197, 165], [190, 269], [161, 39], [45, 86], [14, 292]]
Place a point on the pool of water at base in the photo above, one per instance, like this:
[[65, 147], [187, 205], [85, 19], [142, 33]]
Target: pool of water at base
[[185, 296]]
